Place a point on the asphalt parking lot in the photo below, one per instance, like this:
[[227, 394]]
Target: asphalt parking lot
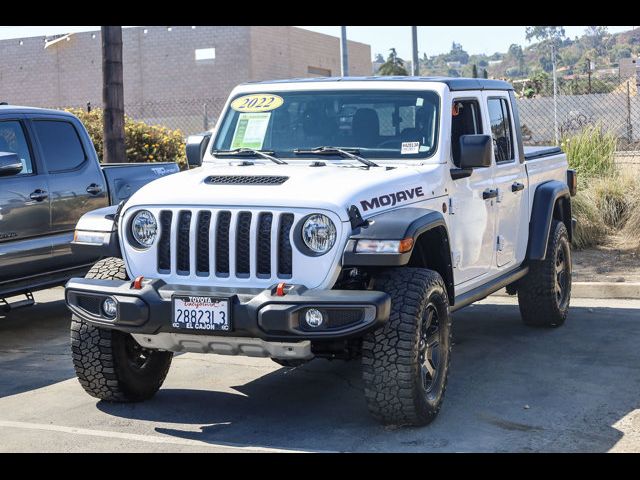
[[511, 389]]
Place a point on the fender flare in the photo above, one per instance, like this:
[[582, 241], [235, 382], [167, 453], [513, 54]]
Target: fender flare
[[101, 221], [397, 224], [545, 199]]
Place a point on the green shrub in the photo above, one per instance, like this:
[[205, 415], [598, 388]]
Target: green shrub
[[591, 151], [590, 229], [143, 143], [631, 230]]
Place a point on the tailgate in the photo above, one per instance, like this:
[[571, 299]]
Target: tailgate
[[125, 179]]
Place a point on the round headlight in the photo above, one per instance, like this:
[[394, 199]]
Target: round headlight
[[144, 228], [319, 233]]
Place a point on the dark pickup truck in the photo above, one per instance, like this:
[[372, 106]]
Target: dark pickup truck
[[49, 177]]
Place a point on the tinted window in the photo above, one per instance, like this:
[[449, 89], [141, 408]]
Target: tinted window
[[465, 120], [501, 129], [381, 124], [12, 140], [60, 144]]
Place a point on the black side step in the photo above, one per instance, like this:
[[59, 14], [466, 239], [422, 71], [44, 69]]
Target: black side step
[[6, 307]]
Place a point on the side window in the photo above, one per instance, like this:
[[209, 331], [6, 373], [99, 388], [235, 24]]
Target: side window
[[12, 139], [465, 120], [60, 145], [501, 129]]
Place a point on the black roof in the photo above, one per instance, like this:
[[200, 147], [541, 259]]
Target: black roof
[[454, 84]]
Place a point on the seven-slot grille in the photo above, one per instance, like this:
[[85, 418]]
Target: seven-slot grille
[[225, 243]]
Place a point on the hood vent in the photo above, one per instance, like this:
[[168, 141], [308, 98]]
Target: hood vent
[[245, 180]]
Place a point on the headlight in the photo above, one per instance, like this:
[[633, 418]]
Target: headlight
[[144, 228], [319, 233]]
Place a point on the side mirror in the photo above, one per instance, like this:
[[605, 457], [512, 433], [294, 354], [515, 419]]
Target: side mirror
[[475, 151], [196, 148], [10, 164]]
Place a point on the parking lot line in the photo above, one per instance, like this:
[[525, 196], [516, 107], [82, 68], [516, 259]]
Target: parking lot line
[[148, 438]]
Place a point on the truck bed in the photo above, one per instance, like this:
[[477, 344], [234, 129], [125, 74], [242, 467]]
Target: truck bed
[[124, 179]]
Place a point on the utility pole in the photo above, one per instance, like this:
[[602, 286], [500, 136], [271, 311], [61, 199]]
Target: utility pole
[[112, 95], [555, 92], [415, 62], [344, 53]]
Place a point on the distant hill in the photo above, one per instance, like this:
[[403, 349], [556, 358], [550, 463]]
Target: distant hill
[[602, 49]]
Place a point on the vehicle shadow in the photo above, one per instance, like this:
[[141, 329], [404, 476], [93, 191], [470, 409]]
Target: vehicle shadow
[[511, 388], [34, 345]]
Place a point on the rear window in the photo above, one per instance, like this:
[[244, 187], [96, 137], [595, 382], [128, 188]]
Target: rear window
[[60, 145]]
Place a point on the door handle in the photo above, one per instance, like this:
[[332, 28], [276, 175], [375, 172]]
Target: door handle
[[38, 195], [489, 194], [94, 189], [516, 187]]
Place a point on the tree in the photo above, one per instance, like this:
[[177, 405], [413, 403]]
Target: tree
[[550, 39], [544, 34], [379, 58], [457, 54], [113, 95], [393, 66], [474, 71], [516, 55], [595, 39], [485, 74]]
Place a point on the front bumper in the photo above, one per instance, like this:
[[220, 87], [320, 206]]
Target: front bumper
[[257, 314]]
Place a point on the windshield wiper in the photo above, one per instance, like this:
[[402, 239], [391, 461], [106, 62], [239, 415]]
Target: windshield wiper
[[350, 153], [252, 152]]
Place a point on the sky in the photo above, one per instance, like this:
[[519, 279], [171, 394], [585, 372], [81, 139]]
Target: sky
[[432, 40]]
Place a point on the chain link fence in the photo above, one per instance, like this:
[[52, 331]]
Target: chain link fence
[[609, 101], [189, 116]]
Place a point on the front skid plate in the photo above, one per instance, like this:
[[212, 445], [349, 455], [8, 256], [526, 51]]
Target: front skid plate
[[225, 345]]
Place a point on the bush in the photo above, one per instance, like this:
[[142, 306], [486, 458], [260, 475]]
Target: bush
[[590, 230], [143, 143], [591, 151], [605, 206], [631, 230]]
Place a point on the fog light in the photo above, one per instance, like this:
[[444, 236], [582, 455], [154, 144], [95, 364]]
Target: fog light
[[109, 307], [314, 317]]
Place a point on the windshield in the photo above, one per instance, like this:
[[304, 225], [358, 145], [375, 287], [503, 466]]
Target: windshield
[[379, 123]]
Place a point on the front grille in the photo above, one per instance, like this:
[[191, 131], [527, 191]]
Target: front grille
[[224, 243], [164, 243], [246, 180], [184, 225], [243, 246]]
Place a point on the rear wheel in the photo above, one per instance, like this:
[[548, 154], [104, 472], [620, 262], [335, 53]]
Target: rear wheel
[[406, 362], [110, 364], [544, 293]]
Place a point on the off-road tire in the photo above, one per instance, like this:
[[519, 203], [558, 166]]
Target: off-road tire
[[394, 385], [540, 303], [104, 359]]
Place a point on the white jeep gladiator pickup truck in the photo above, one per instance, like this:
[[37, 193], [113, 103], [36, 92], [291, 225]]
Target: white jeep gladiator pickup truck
[[335, 218]]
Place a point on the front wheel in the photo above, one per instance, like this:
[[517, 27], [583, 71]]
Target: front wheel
[[406, 362], [109, 364], [544, 293]]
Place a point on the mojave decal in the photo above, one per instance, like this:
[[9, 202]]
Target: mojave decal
[[390, 199]]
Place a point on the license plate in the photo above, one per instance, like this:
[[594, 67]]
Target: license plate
[[201, 313]]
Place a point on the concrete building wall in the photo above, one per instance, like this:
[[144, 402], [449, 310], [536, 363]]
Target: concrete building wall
[[160, 65], [290, 52]]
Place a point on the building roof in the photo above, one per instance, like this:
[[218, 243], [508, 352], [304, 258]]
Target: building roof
[[454, 84]]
